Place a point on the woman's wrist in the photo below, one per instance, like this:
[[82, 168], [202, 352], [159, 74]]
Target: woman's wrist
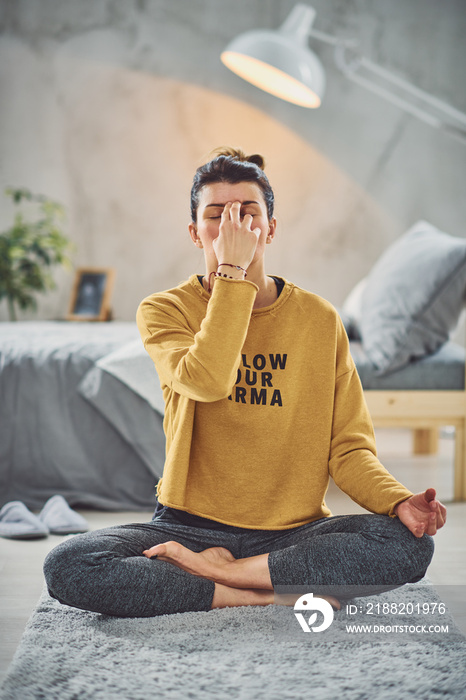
[[233, 275], [228, 271], [231, 270]]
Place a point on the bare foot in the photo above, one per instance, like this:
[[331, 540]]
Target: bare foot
[[209, 564]]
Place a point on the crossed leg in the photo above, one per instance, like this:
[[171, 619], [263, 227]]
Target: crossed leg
[[368, 553], [237, 581], [106, 572]]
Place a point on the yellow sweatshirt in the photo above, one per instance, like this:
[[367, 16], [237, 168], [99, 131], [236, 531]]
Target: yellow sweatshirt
[[262, 405]]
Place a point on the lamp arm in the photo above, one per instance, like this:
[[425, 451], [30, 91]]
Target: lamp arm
[[333, 40], [350, 69], [417, 92]]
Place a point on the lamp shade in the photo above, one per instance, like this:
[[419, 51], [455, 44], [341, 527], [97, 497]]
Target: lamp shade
[[280, 62]]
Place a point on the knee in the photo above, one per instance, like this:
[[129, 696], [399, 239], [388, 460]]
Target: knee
[[56, 570], [409, 555], [61, 567], [423, 552], [418, 551], [423, 546]]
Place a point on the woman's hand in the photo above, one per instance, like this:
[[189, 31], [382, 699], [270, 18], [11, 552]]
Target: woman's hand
[[236, 242], [422, 513]]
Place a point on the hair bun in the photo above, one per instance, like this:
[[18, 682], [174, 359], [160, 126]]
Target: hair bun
[[240, 155], [257, 159]]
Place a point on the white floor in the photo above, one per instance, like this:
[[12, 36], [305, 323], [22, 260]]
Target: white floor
[[21, 579]]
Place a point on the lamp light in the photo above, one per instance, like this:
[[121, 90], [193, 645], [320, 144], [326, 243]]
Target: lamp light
[[281, 63]]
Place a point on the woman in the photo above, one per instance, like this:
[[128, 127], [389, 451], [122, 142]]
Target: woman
[[263, 404]]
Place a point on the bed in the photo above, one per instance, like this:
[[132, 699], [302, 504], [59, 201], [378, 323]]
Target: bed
[[70, 421], [401, 319]]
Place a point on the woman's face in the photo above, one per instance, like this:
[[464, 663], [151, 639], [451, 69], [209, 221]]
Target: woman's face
[[212, 201]]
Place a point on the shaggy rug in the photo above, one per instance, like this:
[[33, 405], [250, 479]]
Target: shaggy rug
[[244, 653]]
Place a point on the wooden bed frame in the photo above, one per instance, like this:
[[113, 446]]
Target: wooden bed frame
[[425, 412]]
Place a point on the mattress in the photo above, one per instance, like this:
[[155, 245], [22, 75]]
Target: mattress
[[68, 426]]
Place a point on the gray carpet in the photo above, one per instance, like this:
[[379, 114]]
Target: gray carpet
[[243, 653]]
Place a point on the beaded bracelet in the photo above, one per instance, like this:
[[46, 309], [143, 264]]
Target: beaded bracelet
[[220, 274], [237, 267]]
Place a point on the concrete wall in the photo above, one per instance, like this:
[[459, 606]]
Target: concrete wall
[[110, 105]]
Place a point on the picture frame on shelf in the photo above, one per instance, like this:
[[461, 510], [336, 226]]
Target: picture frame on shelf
[[91, 294]]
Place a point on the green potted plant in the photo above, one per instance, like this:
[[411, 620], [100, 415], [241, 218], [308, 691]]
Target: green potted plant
[[29, 248]]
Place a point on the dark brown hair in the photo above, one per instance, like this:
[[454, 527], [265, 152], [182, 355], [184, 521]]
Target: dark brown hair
[[232, 165]]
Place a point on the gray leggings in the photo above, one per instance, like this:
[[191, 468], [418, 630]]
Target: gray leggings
[[105, 571]]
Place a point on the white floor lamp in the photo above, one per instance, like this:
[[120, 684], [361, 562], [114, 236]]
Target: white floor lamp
[[281, 63]]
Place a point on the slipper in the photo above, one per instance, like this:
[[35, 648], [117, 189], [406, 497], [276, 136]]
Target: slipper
[[18, 523], [60, 519]]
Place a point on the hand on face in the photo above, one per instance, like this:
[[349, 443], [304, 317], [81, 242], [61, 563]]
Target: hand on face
[[236, 242]]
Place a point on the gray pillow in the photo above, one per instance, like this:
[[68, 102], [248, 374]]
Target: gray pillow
[[413, 297], [351, 327]]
